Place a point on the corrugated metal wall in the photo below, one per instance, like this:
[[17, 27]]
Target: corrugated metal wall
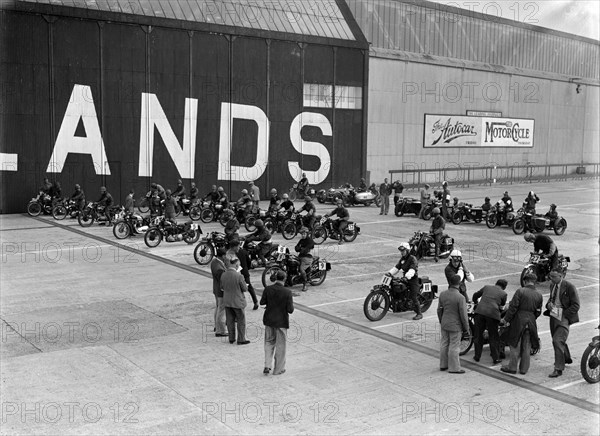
[[395, 25], [43, 60]]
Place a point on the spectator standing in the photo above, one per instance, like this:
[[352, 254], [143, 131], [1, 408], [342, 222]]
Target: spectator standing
[[254, 192], [452, 315], [279, 304], [424, 198], [385, 190], [217, 268], [234, 300]]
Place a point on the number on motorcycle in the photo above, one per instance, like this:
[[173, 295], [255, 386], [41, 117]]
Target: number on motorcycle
[[449, 241], [281, 249], [322, 266], [280, 257], [534, 258], [564, 263], [386, 280], [323, 221], [426, 287], [194, 226], [351, 227]]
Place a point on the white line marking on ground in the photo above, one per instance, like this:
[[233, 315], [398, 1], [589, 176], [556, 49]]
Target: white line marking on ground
[[585, 277], [573, 325], [494, 277], [589, 286], [566, 385], [403, 322], [336, 302], [364, 257], [363, 275]]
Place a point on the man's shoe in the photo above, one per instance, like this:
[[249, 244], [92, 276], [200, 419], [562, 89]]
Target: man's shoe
[[340, 242], [444, 369], [255, 306], [436, 259], [460, 371], [476, 359], [497, 361], [418, 317], [243, 343], [555, 373], [266, 371], [279, 373], [380, 213], [304, 288], [295, 294], [231, 342], [568, 361], [221, 335], [505, 369]]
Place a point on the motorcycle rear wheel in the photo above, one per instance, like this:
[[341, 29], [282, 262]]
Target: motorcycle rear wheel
[[289, 230], [143, 207], [425, 302], [456, 217], [518, 226], [59, 212], [317, 277], [376, 305], [491, 220], [153, 237], [560, 226], [350, 236], [466, 341], [85, 219], [590, 364], [268, 273], [34, 208], [321, 198], [192, 239], [121, 230], [319, 235], [427, 214], [206, 215], [249, 223], [203, 253]]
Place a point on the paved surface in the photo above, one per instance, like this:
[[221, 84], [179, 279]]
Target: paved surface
[[99, 337]]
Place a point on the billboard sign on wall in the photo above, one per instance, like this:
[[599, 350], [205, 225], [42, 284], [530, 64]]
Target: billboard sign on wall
[[463, 131]]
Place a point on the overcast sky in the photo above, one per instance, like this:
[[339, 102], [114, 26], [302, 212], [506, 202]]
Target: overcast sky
[[580, 17]]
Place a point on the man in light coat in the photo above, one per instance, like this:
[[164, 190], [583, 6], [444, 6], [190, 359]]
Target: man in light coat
[[234, 300], [452, 314]]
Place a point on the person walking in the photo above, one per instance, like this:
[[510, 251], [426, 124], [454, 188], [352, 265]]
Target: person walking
[[217, 268], [385, 189], [487, 317], [562, 308], [452, 315], [279, 304], [523, 310], [234, 300]]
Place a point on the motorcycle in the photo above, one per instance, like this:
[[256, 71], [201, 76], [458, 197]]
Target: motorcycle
[[170, 232], [540, 266], [408, 205], [251, 248], [498, 215], [538, 223], [130, 224], [144, 203], [352, 198], [206, 250], [428, 211], [468, 339], [393, 293], [315, 274], [324, 229], [295, 193], [92, 212], [466, 212], [65, 208], [590, 361], [291, 226], [332, 194], [41, 203], [209, 211], [274, 221], [422, 244]]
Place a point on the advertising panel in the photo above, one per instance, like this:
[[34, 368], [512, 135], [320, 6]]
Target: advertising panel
[[463, 131]]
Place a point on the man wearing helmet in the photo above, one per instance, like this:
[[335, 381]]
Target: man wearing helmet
[[486, 206], [409, 266], [78, 197], [303, 185], [530, 202], [193, 193], [340, 224], [155, 187], [437, 230], [244, 204], [213, 196], [263, 237], [274, 201], [223, 200], [309, 208], [508, 204], [105, 202], [179, 194], [286, 205], [456, 267], [303, 248], [552, 214], [362, 187], [544, 245]]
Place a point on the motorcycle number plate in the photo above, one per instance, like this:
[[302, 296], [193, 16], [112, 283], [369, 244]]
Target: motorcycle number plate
[[90, 204], [194, 227], [322, 266], [449, 241], [386, 280], [323, 221], [351, 227], [564, 263], [293, 217], [281, 249], [426, 288], [534, 258]]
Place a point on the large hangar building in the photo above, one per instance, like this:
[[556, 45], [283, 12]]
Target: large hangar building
[[125, 92]]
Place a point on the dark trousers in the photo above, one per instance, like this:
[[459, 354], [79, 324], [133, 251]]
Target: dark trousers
[[481, 324], [413, 292], [521, 354], [560, 332], [233, 316], [437, 238]]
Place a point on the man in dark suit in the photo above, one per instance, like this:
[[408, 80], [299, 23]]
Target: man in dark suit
[[523, 310], [280, 304], [487, 316], [562, 308], [234, 300], [452, 314], [217, 268], [385, 189]]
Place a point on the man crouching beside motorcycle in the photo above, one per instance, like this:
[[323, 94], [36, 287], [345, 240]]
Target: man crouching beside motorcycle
[[545, 246], [340, 224], [409, 265], [303, 248]]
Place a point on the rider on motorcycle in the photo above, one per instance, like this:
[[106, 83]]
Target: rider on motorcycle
[[213, 196], [446, 198], [545, 246], [193, 193], [456, 267], [223, 200], [105, 201], [309, 207], [508, 204], [78, 197], [46, 187], [303, 185], [155, 187], [244, 204], [340, 224], [437, 229], [530, 202], [409, 266], [155, 205], [179, 193], [286, 206], [362, 187], [552, 214], [274, 200], [303, 248], [231, 229], [486, 206], [263, 237]]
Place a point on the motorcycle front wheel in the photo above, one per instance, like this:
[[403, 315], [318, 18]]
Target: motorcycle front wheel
[[195, 213], [203, 253], [153, 237], [85, 219], [34, 208], [192, 238], [378, 201], [206, 215], [319, 235], [376, 305], [425, 302], [143, 207], [426, 214], [121, 230], [268, 273], [288, 230], [316, 277], [491, 220], [249, 223], [456, 217], [560, 226], [270, 225], [466, 341], [399, 210], [590, 364], [59, 212], [518, 226]]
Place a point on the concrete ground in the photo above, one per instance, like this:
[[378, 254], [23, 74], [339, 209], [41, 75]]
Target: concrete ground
[[100, 337]]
